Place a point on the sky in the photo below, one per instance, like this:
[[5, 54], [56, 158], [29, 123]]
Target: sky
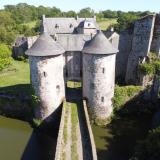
[[97, 5]]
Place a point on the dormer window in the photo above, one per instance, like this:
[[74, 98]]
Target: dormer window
[[56, 26]]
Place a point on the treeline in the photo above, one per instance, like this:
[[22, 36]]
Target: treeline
[[13, 18]]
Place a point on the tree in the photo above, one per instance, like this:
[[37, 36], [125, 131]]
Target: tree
[[110, 14], [86, 12]]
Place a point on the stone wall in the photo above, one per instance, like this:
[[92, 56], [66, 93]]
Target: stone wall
[[141, 43], [48, 82], [73, 65], [124, 47], [98, 83], [155, 47]]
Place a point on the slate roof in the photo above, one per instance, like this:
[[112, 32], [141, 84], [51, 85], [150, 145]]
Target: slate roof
[[63, 25], [99, 45], [72, 42], [45, 46], [87, 24]]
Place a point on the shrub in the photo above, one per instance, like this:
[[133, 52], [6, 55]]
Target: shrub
[[157, 66], [5, 52], [5, 62], [147, 68], [123, 94]]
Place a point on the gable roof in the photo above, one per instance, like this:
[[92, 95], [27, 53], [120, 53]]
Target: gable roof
[[45, 46], [63, 25], [99, 45], [72, 42]]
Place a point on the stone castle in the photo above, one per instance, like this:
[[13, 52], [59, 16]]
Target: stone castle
[[76, 49], [72, 49]]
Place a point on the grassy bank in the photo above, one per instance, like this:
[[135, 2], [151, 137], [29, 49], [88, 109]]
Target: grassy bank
[[17, 73], [104, 23]]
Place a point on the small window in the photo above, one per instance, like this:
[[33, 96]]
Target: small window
[[103, 70], [44, 74], [71, 25], [56, 26], [89, 24], [58, 88], [102, 99]]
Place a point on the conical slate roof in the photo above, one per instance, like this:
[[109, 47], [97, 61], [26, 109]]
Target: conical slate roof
[[99, 45], [45, 46]]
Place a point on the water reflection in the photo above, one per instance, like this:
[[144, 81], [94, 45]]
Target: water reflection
[[40, 146], [18, 141]]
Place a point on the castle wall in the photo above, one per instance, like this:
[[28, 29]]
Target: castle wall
[[155, 47], [73, 66], [48, 82], [142, 37], [98, 83], [124, 47]]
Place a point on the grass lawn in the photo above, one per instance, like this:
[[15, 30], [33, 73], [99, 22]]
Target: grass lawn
[[17, 73], [106, 22]]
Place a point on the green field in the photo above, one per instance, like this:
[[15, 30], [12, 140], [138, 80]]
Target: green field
[[17, 73], [106, 22]]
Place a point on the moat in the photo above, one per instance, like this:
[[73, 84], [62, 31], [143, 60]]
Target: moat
[[19, 141]]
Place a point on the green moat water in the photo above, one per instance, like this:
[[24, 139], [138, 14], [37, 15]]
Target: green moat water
[[18, 141], [117, 140], [14, 136]]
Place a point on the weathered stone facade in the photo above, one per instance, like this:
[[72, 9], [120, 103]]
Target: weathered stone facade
[[155, 47], [141, 42], [124, 47], [73, 65], [98, 83], [99, 76], [48, 82]]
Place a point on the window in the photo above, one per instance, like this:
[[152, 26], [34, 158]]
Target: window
[[102, 99], [103, 70], [44, 74], [56, 26], [71, 25], [58, 88]]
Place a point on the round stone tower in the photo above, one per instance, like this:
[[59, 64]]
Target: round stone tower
[[99, 76], [46, 67]]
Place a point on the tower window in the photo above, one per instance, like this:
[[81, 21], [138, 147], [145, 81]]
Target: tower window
[[58, 88], [103, 70], [56, 26], [102, 99], [71, 25], [44, 74]]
